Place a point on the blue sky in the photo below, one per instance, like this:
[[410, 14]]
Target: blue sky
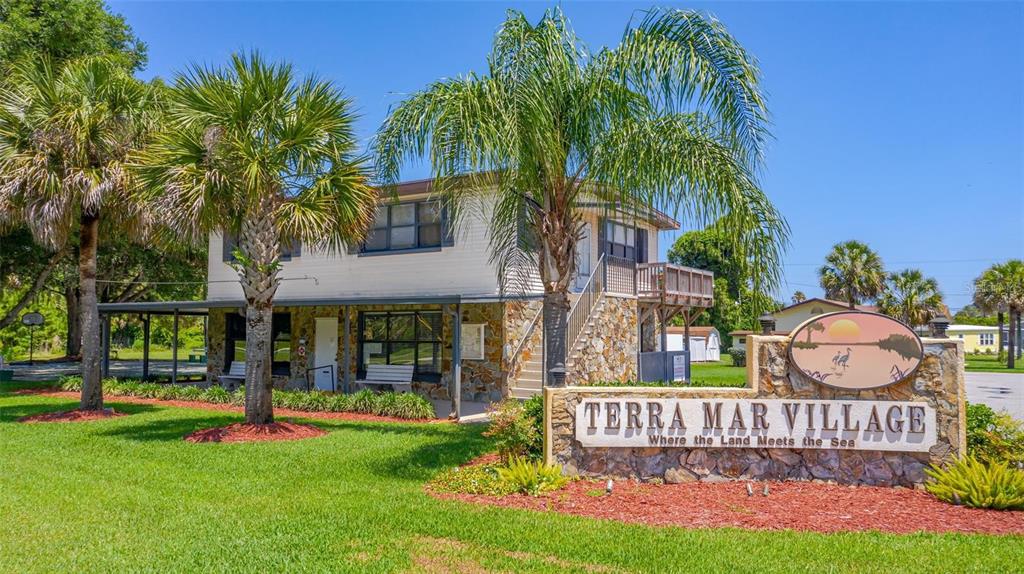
[[901, 125]]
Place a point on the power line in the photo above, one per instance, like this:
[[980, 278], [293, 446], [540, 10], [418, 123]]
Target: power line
[[919, 262]]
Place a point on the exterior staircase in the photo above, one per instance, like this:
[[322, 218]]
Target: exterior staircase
[[584, 335], [531, 377]]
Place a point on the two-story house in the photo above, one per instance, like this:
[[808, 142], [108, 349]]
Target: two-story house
[[397, 298]]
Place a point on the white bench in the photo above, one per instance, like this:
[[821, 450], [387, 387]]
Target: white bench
[[398, 377], [234, 376]]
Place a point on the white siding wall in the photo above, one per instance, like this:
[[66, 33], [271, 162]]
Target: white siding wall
[[462, 269]]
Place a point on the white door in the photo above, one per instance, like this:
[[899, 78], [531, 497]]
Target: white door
[[325, 353], [583, 258]]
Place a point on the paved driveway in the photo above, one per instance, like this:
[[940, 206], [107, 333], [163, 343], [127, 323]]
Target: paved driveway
[[1001, 391], [50, 371]]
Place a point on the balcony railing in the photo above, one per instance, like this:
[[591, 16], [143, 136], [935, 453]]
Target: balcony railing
[[664, 279]]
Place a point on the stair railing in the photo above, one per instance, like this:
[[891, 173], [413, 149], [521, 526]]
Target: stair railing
[[526, 338], [579, 314]]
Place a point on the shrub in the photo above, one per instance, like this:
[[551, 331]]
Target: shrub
[[72, 383], [238, 397], [411, 406], [384, 403], [364, 401], [287, 399], [316, 401], [994, 437], [534, 409], [191, 393], [482, 479], [514, 432], [531, 477], [739, 357], [973, 483], [339, 403], [148, 390], [169, 392], [217, 395]]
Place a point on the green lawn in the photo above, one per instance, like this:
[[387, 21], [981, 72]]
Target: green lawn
[[991, 364], [128, 494], [718, 374]]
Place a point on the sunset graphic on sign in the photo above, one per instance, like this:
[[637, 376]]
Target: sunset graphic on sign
[[855, 350]]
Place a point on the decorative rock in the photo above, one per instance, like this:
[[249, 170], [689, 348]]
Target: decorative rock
[[938, 383], [677, 475]]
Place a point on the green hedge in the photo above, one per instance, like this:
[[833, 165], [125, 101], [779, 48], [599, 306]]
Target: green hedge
[[387, 404]]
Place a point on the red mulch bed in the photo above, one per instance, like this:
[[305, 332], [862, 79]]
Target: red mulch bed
[[793, 505], [233, 409], [73, 416], [241, 432]]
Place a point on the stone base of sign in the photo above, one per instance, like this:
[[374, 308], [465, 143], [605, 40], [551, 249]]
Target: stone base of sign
[[938, 382]]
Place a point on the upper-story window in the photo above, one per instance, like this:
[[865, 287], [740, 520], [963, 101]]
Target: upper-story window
[[625, 241], [289, 249], [403, 226]]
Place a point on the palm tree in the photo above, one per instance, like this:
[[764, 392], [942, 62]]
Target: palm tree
[[251, 151], [852, 273], [910, 297], [799, 297], [65, 135], [999, 288], [671, 117]]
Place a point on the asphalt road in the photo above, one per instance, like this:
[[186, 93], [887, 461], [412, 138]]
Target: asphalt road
[[1001, 391]]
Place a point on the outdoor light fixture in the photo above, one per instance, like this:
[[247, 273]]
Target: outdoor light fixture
[[939, 326], [608, 487], [750, 489], [767, 323]]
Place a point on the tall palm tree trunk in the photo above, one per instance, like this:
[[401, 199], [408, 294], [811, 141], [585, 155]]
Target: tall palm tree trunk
[[999, 334], [92, 386], [259, 384], [1010, 355], [73, 305], [556, 316], [558, 235], [260, 246]]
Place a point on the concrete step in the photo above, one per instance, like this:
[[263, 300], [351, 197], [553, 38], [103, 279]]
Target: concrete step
[[521, 393], [529, 385]]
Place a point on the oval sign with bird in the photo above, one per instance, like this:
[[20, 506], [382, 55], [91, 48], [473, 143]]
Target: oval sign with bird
[[855, 350]]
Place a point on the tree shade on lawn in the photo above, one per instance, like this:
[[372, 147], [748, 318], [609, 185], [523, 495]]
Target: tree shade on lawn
[[65, 137], [672, 117], [356, 503], [252, 151]]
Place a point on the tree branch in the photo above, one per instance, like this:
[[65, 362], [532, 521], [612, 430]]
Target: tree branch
[[37, 286]]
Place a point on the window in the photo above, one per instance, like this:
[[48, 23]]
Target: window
[[403, 226], [987, 339], [289, 249], [281, 340], [620, 240], [625, 241], [401, 338]]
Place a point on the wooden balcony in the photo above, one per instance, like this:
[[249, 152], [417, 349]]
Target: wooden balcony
[[675, 285], [666, 283]]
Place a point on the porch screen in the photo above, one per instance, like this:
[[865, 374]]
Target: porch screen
[[401, 338], [281, 333]]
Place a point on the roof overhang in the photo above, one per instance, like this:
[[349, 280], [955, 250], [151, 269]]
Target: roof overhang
[[203, 307]]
